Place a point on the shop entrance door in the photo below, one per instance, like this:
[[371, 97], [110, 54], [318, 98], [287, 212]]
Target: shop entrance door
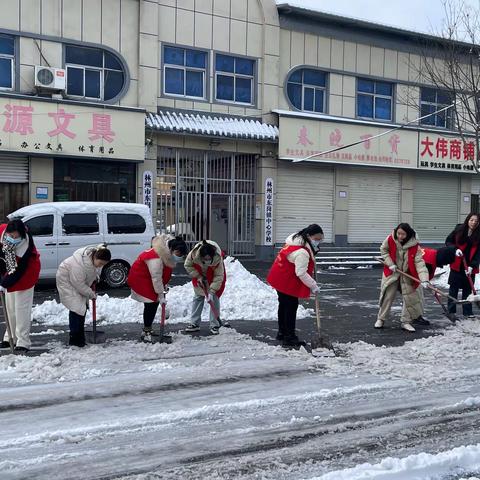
[[219, 220]]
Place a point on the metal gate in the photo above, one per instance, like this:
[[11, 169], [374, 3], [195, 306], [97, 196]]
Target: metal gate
[[205, 194]]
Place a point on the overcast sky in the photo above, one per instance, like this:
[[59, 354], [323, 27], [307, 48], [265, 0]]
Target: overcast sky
[[420, 15]]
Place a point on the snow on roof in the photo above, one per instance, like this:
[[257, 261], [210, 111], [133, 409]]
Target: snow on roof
[[79, 207], [203, 124]]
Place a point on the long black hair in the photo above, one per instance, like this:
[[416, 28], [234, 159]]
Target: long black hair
[[16, 225], [461, 232], [407, 229], [178, 244], [207, 250], [312, 229]]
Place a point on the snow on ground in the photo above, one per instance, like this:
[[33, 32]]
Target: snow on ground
[[441, 278], [246, 297]]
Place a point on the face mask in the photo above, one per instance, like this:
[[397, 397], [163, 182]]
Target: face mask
[[12, 241], [205, 261], [177, 259], [315, 243]]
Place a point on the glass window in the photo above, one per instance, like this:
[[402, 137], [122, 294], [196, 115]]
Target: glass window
[[431, 101], [234, 77], [7, 62], [184, 72], [40, 226], [374, 99], [93, 73], [80, 224], [125, 223], [306, 89]]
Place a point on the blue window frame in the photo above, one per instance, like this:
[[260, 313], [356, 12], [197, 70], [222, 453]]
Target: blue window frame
[[93, 73], [432, 100], [7, 62], [374, 99], [306, 89], [184, 72], [234, 79]]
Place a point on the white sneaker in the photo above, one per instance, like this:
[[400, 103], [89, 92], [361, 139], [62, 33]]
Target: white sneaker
[[408, 327], [379, 324]]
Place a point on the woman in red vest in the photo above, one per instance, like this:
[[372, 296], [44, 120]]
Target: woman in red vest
[[293, 276], [400, 250], [151, 272], [465, 238], [205, 265], [19, 272]]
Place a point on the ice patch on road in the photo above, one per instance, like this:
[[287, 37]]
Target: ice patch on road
[[422, 466], [246, 297]]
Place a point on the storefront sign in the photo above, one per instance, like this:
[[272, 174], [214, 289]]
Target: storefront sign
[[438, 152], [41, 193], [148, 189], [268, 240], [51, 128], [300, 138]]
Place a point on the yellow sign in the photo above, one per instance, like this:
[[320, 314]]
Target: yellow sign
[[52, 128]]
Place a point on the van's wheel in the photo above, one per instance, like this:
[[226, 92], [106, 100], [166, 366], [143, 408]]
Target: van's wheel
[[115, 274]]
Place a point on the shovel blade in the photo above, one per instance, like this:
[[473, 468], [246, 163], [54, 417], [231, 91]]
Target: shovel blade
[[100, 336], [319, 342], [165, 339]]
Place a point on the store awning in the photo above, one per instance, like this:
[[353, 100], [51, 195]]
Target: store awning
[[216, 126]]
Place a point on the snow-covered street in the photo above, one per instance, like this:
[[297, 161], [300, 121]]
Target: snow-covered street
[[232, 407]]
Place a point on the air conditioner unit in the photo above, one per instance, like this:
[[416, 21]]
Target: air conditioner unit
[[50, 78]]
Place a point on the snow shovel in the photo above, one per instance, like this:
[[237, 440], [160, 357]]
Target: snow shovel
[[164, 338], [318, 342], [7, 320], [475, 298], [95, 336]]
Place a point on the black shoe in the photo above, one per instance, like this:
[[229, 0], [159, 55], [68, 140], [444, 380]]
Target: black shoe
[[421, 321], [76, 342], [280, 336], [5, 344], [293, 341], [21, 350]]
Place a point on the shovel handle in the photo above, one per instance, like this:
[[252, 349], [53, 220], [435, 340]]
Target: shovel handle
[[469, 276], [212, 306], [162, 319]]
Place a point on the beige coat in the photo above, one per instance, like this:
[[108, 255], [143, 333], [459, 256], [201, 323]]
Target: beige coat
[[75, 276], [401, 261], [193, 258]]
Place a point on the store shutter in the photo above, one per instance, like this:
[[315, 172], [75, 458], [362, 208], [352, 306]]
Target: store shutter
[[304, 196], [435, 205], [374, 204], [13, 169]]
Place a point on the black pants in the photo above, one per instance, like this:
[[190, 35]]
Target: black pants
[[77, 329], [149, 312], [466, 291], [287, 314]]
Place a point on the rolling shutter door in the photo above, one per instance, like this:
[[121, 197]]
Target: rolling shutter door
[[435, 205], [13, 169], [374, 204], [304, 196]]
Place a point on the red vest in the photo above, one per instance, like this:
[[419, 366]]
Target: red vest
[[457, 265], [139, 278], [430, 259], [282, 276], [412, 251], [30, 277], [210, 275]]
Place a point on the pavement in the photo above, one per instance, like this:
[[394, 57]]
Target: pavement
[[347, 315]]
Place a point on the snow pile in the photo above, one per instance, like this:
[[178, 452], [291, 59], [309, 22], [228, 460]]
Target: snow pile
[[422, 466], [441, 278], [245, 297]]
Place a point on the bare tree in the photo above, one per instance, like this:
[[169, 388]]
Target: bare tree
[[449, 62]]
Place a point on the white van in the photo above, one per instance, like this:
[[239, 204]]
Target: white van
[[60, 228]]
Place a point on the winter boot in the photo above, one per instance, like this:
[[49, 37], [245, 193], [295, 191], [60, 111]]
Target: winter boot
[[293, 341], [379, 324], [421, 321], [280, 336], [407, 327], [5, 344], [192, 328], [76, 341], [146, 336], [21, 350]]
